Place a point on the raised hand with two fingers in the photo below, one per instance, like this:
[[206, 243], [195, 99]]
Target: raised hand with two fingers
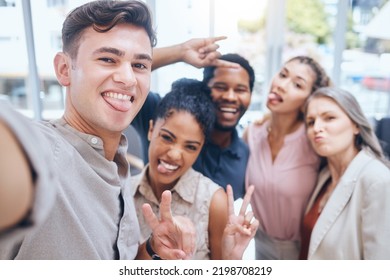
[[240, 228], [172, 237]]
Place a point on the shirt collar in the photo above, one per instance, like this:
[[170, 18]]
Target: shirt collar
[[234, 148], [185, 187], [73, 135]]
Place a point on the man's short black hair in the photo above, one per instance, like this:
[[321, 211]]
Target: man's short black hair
[[208, 72]]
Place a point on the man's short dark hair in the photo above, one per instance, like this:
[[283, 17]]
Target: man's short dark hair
[[208, 72], [102, 16]]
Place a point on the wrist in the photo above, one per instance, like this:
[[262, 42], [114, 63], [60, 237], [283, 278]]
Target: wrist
[[180, 52], [150, 250]]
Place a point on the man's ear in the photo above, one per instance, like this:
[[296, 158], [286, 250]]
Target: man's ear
[[150, 131], [62, 67]]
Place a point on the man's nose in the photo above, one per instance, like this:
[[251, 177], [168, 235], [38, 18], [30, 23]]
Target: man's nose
[[229, 94], [125, 75]]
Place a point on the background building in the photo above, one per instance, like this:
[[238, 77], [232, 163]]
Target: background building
[[347, 37]]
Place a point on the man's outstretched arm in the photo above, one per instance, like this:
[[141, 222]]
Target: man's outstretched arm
[[16, 183]]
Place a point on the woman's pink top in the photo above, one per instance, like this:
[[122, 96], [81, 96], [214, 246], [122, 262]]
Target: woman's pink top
[[282, 187]]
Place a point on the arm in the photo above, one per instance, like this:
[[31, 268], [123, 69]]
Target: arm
[[196, 52], [217, 223], [374, 212], [16, 189], [172, 237], [240, 229]]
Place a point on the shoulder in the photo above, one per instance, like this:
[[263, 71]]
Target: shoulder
[[369, 174], [375, 171], [147, 110], [153, 98], [219, 202], [243, 145], [238, 145], [364, 163], [136, 180], [256, 126], [255, 131], [202, 180]]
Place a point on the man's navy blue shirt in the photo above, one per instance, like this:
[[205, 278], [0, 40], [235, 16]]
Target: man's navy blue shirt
[[225, 165]]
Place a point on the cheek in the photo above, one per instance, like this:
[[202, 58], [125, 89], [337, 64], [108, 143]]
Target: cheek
[[190, 158], [350, 136], [144, 84], [310, 134], [299, 100], [154, 148], [245, 99], [274, 81], [214, 97]]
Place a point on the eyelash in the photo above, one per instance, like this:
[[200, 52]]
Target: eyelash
[[327, 118], [309, 123], [140, 66], [166, 138], [169, 139], [107, 59], [136, 65], [298, 86], [192, 148], [223, 89], [282, 75]]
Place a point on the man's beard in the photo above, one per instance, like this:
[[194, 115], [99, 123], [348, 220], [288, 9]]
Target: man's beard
[[218, 126], [223, 128]]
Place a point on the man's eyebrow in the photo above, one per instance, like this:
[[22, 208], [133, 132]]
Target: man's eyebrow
[[115, 51], [120, 53], [109, 50], [143, 56]]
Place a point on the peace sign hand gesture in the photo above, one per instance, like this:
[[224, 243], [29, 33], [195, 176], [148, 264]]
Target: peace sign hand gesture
[[240, 229], [172, 237]]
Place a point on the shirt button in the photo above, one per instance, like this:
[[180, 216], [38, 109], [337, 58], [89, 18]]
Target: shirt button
[[94, 140]]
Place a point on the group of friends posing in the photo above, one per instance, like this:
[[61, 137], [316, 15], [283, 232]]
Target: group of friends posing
[[312, 170]]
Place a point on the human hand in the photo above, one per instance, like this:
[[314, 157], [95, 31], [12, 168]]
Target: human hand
[[172, 237], [240, 229], [266, 117], [202, 52]]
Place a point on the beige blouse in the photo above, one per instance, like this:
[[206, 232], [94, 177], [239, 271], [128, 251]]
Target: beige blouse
[[191, 197]]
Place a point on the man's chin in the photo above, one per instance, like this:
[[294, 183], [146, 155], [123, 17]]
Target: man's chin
[[224, 128]]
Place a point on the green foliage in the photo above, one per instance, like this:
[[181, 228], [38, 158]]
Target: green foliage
[[308, 17], [352, 40], [251, 26]]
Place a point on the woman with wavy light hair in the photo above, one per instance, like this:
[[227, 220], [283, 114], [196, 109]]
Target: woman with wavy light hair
[[347, 216]]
